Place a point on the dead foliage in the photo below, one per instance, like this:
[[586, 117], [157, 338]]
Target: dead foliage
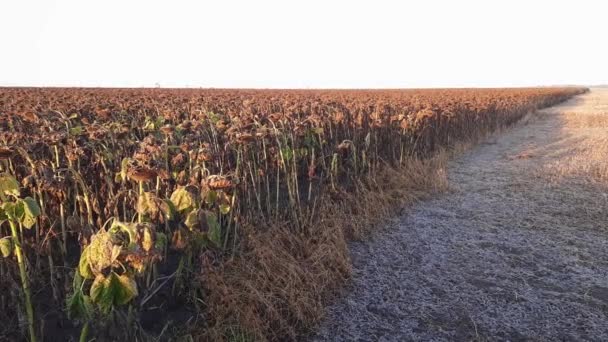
[[277, 287]]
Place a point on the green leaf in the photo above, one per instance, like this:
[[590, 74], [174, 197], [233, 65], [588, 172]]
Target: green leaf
[[211, 197], [287, 153], [79, 306], [9, 185], [182, 199], [84, 269], [127, 289], [198, 240], [97, 288], [8, 210], [31, 207], [113, 290], [31, 210], [215, 230], [20, 209], [103, 292], [6, 246], [161, 241], [214, 118], [77, 281]]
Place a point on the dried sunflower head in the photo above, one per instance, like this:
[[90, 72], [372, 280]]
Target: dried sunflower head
[[141, 173], [216, 182], [167, 129], [5, 153]]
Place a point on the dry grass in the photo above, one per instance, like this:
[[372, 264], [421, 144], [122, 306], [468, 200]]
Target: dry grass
[[585, 159], [277, 287]]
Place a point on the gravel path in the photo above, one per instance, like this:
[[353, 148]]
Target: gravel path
[[510, 254]]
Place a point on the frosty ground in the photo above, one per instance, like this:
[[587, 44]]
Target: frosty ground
[[516, 250]]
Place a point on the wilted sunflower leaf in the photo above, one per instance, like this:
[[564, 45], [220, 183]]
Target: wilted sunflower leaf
[[116, 249], [126, 289], [168, 208], [84, 269], [104, 290], [224, 209], [192, 220], [142, 205], [147, 242], [28, 222], [100, 252], [6, 246], [119, 232], [178, 241], [9, 185], [124, 168], [147, 204], [31, 210], [182, 199], [97, 288], [77, 130]]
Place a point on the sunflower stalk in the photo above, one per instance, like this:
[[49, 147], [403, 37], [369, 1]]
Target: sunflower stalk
[[25, 284]]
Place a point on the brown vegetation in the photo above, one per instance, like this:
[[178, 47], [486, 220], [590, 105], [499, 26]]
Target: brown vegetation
[[233, 203]]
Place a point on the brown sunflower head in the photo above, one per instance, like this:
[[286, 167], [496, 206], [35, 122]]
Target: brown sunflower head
[[167, 129], [216, 182], [5, 153], [244, 138], [141, 173]]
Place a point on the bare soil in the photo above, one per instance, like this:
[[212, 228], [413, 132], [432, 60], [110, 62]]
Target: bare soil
[[517, 250]]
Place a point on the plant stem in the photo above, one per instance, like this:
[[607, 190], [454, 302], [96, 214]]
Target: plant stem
[[140, 217], [24, 282], [64, 233], [84, 332]]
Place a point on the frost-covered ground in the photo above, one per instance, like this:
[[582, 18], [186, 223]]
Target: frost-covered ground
[[518, 250]]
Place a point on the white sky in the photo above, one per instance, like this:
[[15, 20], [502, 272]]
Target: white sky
[[298, 44]]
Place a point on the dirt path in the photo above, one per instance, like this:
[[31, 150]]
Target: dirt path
[[517, 251]]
